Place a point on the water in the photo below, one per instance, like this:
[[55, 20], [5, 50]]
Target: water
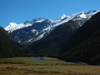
[[42, 60]]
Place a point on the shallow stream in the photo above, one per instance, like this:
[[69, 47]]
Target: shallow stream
[[42, 60]]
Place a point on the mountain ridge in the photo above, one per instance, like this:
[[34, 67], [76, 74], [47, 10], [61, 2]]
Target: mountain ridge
[[83, 45], [40, 28], [77, 40]]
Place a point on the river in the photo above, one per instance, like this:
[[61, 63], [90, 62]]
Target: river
[[42, 60]]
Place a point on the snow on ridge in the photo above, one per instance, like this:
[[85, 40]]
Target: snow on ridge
[[44, 30], [39, 20], [56, 22], [61, 20], [85, 14], [80, 15], [63, 16], [13, 26], [30, 39]]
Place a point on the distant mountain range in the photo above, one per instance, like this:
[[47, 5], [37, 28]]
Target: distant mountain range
[[71, 42], [35, 29], [73, 38], [77, 45]]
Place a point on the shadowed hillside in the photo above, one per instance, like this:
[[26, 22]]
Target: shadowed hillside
[[49, 46], [8, 47], [84, 44]]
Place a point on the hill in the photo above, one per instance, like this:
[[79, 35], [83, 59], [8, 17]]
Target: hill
[[49, 45], [84, 44], [8, 47]]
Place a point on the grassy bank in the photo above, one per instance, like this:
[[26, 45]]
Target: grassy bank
[[48, 58], [18, 66], [21, 60]]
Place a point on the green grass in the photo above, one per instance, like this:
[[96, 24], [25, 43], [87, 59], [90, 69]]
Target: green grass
[[15, 60], [82, 63]]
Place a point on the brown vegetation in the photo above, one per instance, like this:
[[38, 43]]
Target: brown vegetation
[[22, 69], [45, 68]]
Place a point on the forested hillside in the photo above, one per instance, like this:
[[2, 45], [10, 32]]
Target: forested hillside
[[84, 44], [49, 46], [9, 48]]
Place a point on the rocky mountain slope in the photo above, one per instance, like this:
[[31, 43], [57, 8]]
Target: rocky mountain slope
[[50, 44], [72, 38], [71, 42], [33, 30]]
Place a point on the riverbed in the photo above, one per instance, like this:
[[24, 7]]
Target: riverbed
[[39, 59]]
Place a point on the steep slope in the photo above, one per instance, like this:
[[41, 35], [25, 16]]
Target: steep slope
[[8, 47], [35, 29], [84, 44], [30, 30], [49, 46]]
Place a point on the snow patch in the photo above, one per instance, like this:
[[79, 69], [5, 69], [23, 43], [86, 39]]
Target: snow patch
[[83, 16], [63, 16], [30, 40], [13, 26], [51, 24], [39, 20], [33, 30]]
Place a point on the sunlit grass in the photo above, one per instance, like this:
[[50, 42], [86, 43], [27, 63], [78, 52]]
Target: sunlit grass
[[15, 60], [15, 69], [21, 60], [48, 58], [18, 66]]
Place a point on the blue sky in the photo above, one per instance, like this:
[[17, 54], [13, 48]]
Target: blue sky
[[19, 11]]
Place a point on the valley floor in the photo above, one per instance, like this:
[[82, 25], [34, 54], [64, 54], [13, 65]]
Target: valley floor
[[45, 68]]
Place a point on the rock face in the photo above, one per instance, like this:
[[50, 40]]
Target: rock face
[[33, 30]]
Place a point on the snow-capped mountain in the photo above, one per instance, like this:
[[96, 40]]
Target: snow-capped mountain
[[35, 29], [84, 14], [13, 26]]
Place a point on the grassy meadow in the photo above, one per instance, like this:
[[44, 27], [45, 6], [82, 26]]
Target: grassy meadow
[[18, 66]]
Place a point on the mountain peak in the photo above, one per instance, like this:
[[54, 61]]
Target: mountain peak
[[63, 16], [92, 11], [44, 26], [84, 14], [13, 24]]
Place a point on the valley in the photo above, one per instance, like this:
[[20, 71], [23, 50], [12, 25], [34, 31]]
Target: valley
[[18, 66], [49, 37], [64, 46]]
